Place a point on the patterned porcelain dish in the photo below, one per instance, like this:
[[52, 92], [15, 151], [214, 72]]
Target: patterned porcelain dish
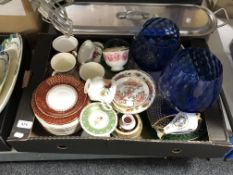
[[135, 91], [50, 119], [183, 137], [98, 121], [60, 96]]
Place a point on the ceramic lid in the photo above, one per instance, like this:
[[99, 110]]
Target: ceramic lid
[[128, 18]]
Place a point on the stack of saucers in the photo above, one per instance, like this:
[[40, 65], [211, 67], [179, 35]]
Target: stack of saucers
[[57, 103]]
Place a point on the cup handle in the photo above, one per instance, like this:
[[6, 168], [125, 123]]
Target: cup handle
[[54, 73], [87, 85], [106, 106], [74, 53]]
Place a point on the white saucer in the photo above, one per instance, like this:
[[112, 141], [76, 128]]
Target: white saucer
[[61, 97]]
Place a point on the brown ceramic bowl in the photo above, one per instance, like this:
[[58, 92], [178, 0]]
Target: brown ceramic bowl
[[42, 90]]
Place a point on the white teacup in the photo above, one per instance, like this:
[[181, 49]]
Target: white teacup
[[90, 52], [63, 63], [91, 70], [66, 44]]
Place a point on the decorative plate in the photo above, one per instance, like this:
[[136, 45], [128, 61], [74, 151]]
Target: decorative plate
[[135, 91], [131, 92], [98, 121], [15, 56], [50, 119], [60, 96]]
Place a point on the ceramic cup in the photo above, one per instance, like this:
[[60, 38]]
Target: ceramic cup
[[90, 52], [135, 133], [116, 57], [127, 122], [63, 63], [116, 53], [66, 44], [91, 70]]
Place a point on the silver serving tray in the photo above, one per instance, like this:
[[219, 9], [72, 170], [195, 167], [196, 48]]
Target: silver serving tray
[[15, 56], [128, 18]]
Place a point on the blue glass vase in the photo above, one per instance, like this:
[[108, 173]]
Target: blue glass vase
[[192, 81], [155, 44]]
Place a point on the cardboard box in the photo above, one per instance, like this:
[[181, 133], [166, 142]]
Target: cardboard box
[[18, 16], [31, 137]]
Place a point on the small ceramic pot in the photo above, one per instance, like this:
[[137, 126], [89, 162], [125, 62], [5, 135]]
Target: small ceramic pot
[[99, 89], [116, 58], [127, 122], [133, 134]]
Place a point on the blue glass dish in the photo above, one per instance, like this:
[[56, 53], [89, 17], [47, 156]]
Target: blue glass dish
[[155, 44], [192, 81]]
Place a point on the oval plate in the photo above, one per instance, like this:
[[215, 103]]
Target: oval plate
[[15, 51]]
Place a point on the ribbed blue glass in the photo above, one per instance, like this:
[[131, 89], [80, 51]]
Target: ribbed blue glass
[[155, 44], [192, 81]]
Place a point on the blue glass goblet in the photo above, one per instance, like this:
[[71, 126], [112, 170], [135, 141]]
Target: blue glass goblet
[[192, 80], [155, 44]]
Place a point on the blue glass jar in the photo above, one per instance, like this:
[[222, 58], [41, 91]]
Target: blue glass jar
[[155, 44], [192, 81]]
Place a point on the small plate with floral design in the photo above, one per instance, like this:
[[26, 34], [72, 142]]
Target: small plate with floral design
[[135, 91], [97, 120]]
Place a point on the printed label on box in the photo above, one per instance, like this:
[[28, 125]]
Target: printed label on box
[[24, 124], [18, 135]]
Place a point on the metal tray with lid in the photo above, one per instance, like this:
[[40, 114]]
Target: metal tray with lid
[[100, 18]]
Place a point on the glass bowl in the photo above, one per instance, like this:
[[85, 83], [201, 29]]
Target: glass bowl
[[192, 81]]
